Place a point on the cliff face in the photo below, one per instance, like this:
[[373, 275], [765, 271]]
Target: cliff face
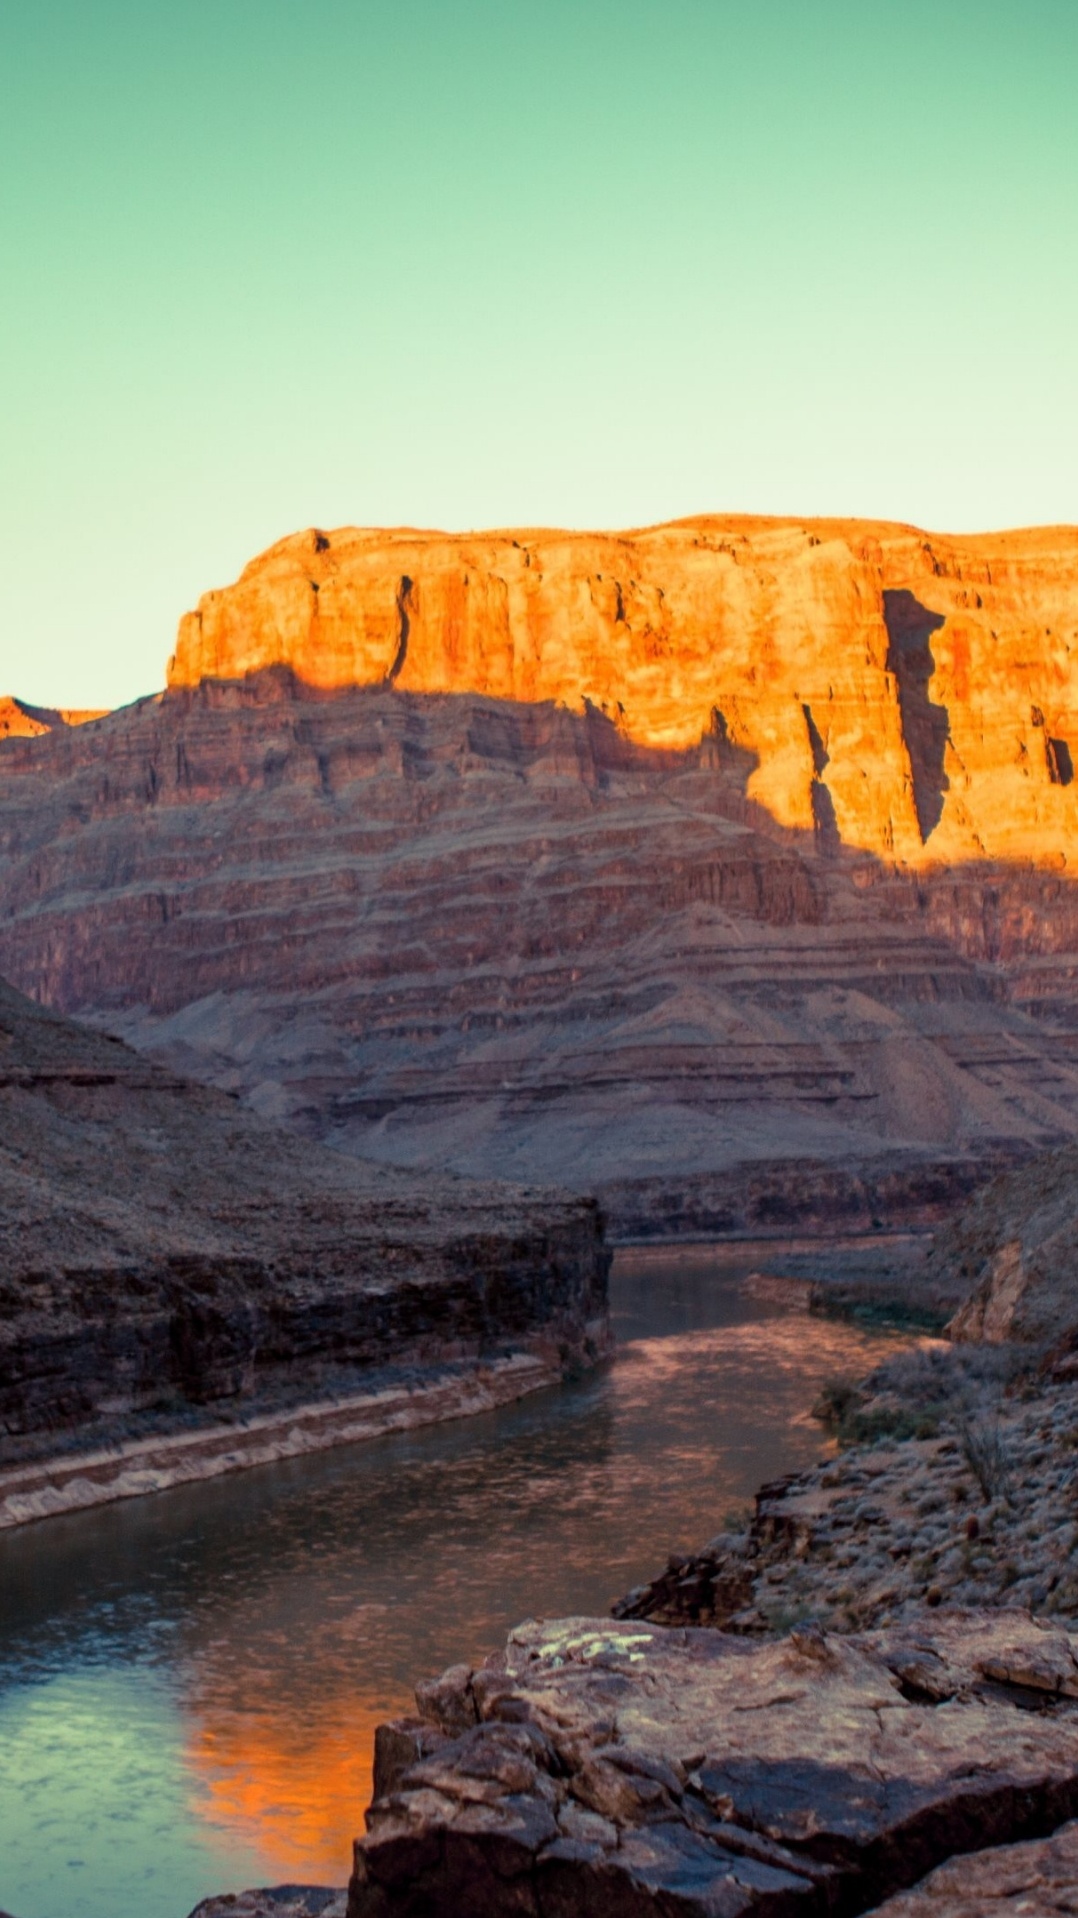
[[914, 694], [161, 1249], [1017, 1243], [648, 951]]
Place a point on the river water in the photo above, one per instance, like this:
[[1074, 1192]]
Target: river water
[[189, 1684]]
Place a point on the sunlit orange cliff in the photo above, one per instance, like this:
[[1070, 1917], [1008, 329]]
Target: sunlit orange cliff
[[923, 688]]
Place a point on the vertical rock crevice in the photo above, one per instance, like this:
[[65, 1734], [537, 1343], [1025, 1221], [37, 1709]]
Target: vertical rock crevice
[[405, 610], [824, 818], [1059, 763], [925, 726]]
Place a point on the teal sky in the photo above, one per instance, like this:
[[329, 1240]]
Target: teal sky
[[592, 262]]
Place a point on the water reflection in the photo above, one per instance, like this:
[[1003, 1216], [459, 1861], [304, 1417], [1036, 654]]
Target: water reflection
[[246, 1636]]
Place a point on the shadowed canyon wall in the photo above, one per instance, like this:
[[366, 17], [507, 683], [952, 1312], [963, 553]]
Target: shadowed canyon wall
[[724, 868], [161, 1249]]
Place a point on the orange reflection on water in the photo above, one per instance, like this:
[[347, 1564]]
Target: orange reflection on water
[[300, 1804], [315, 1605]]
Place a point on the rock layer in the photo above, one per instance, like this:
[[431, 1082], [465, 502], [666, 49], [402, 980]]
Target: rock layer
[[164, 1254], [18, 720], [898, 687], [594, 1769], [447, 932], [1036, 1880]]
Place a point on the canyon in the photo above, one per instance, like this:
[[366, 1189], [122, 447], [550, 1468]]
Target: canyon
[[863, 1700], [722, 869], [184, 1289]]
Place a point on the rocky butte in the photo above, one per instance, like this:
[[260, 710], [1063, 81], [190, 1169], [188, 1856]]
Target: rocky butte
[[723, 868], [905, 688]]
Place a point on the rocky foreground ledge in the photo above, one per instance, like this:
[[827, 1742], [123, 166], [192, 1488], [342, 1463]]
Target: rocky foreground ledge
[[887, 1710], [596, 1768]]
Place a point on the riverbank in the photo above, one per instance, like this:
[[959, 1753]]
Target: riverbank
[[185, 1289], [887, 1679], [74, 1481], [956, 1484], [874, 1678], [240, 1639]]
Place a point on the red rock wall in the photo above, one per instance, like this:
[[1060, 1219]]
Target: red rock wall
[[919, 691]]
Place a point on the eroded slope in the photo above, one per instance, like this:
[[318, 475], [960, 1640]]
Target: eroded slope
[[161, 1250]]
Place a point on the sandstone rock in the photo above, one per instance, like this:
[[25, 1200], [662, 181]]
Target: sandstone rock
[[724, 868], [453, 932], [640, 1770], [1038, 1879], [18, 720], [894, 686], [165, 1256]]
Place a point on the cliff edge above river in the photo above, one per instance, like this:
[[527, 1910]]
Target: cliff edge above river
[[185, 1288]]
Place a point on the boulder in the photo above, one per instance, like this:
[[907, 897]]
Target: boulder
[[632, 1770]]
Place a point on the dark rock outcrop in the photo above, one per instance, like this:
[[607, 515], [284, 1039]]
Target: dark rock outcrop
[[166, 1257], [277, 1901], [633, 1770], [1038, 1879], [1016, 1243]]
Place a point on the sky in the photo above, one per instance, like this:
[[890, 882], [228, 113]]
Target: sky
[[590, 262]]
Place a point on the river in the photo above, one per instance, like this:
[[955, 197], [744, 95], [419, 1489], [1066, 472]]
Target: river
[[189, 1683]]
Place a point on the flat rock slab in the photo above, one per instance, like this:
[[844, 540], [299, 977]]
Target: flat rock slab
[[598, 1769], [1034, 1880], [276, 1901]]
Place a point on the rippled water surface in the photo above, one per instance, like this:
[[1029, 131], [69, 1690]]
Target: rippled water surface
[[189, 1683]]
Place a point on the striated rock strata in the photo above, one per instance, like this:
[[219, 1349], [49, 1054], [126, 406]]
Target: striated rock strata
[[724, 869], [167, 1259], [448, 933], [596, 1769], [899, 686]]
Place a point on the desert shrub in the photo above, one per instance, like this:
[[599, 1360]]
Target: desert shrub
[[837, 1399], [986, 1453], [873, 1423]]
